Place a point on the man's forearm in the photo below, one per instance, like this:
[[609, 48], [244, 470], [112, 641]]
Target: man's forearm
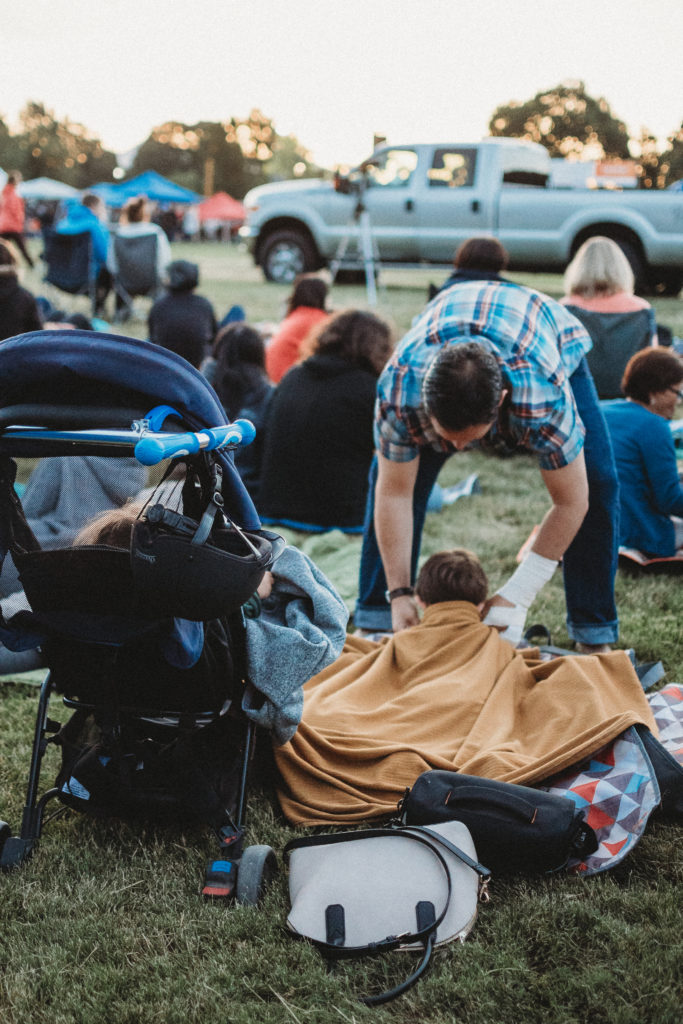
[[568, 489], [394, 532], [394, 518]]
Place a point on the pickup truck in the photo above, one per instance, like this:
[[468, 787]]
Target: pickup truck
[[422, 201]]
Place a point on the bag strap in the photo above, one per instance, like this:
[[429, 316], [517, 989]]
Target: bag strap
[[428, 920]]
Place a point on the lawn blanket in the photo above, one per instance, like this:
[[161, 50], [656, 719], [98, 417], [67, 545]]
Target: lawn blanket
[[447, 694]]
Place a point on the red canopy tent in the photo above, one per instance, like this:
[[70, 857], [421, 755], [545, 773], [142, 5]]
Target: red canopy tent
[[222, 207]]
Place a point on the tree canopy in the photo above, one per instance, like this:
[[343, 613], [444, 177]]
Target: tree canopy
[[567, 121], [45, 146], [231, 156]]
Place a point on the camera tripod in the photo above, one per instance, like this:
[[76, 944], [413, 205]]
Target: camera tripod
[[359, 232]]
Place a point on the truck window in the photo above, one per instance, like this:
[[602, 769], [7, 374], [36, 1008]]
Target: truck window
[[452, 168], [391, 169]]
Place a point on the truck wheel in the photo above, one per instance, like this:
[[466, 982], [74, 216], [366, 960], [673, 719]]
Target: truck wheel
[[285, 254], [666, 282], [637, 264]]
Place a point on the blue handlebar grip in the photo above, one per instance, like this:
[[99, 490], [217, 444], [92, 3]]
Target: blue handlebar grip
[[152, 450], [247, 431]]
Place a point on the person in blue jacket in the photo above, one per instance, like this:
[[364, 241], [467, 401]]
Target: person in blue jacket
[[90, 215], [651, 495]]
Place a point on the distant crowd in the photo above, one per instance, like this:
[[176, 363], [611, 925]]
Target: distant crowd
[[352, 430]]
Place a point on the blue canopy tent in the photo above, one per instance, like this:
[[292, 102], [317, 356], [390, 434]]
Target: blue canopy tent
[[150, 184]]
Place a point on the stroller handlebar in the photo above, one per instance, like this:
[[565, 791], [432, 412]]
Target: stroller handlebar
[[154, 448]]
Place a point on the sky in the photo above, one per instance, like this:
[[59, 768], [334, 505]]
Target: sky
[[335, 72]]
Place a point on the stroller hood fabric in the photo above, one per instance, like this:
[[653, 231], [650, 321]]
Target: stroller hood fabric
[[91, 367]]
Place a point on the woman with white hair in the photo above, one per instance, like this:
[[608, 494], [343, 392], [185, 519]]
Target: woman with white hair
[[599, 286]]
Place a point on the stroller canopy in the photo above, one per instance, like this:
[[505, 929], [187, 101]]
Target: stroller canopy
[[71, 367]]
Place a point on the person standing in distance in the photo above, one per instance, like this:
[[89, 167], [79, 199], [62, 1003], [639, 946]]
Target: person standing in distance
[[500, 360]]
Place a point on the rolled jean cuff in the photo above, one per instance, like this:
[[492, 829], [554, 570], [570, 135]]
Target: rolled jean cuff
[[372, 618], [605, 633]]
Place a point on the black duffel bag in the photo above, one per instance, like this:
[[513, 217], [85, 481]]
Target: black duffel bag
[[514, 828]]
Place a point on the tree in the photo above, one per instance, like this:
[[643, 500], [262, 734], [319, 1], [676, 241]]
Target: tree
[[231, 156], [567, 121], [672, 158], [63, 150]]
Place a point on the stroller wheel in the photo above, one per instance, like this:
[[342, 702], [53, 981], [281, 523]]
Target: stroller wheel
[[5, 833], [256, 870]]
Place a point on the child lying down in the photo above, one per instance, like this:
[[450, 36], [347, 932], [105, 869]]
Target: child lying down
[[450, 694], [298, 627]]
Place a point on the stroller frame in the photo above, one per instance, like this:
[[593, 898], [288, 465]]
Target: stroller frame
[[58, 430]]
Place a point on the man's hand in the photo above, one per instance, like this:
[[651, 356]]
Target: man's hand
[[403, 613], [506, 617]]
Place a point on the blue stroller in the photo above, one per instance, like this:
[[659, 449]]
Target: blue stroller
[[142, 630]]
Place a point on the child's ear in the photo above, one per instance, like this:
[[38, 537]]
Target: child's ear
[[480, 607], [419, 602]]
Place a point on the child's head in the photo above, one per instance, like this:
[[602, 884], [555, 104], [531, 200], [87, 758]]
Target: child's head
[[112, 528], [455, 575]]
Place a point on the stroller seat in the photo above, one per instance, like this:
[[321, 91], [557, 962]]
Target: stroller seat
[[143, 637]]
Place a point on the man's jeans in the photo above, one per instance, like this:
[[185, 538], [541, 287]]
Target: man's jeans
[[589, 564]]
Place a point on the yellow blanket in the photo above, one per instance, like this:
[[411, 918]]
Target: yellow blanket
[[446, 694]]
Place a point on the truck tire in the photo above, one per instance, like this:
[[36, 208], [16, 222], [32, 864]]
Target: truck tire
[[285, 254], [637, 264], [666, 282]]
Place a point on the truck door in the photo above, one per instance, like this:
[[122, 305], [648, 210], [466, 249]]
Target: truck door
[[387, 190], [452, 206]]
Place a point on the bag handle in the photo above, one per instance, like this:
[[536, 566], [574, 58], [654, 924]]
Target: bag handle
[[427, 924]]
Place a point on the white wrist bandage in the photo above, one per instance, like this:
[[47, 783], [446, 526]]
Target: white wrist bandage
[[528, 579]]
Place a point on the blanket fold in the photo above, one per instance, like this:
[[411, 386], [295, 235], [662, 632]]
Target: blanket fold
[[447, 694]]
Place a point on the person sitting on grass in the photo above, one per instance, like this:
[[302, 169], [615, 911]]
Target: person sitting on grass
[[455, 575]]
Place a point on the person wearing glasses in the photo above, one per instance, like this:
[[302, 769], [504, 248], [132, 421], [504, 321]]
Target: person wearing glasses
[[651, 495]]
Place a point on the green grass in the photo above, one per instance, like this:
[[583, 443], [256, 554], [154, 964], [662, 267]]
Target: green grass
[[106, 924]]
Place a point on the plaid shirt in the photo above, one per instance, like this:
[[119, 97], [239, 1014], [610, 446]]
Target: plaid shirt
[[538, 345]]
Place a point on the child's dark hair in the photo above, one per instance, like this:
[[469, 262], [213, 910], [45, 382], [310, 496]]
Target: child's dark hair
[[455, 575]]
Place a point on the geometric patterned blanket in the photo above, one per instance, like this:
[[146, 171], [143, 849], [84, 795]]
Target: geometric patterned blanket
[[617, 786]]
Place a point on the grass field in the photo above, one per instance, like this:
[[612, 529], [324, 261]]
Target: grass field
[[106, 924]]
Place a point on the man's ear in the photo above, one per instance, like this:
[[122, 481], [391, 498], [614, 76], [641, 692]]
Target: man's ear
[[502, 396]]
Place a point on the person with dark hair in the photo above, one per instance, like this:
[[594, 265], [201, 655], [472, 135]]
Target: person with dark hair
[[180, 320], [455, 575], [239, 379], [318, 443], [305, 310], [477, 259], [494, 360], [12, 216], [18, 308], [650, 491]]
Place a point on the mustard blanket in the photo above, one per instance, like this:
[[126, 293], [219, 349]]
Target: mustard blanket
[[447, 694]]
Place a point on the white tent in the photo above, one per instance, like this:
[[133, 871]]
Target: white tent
[[3, 177], [46, 188]]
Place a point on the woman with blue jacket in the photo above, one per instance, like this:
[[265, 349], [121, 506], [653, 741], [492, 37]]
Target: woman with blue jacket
[[651, 495]]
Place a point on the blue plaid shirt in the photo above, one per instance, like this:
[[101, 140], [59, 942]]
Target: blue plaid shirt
[[538, 345]]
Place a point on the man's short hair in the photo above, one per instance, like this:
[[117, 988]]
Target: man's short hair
[[455, 575], [463, 386]]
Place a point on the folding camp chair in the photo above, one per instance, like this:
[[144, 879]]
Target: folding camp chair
[[136, 271], [69, 264], [616, 337]]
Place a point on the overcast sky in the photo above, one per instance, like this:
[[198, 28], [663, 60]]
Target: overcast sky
[[333, 73]]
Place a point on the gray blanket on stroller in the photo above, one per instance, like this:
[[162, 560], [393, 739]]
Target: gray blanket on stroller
[[301, 630]]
